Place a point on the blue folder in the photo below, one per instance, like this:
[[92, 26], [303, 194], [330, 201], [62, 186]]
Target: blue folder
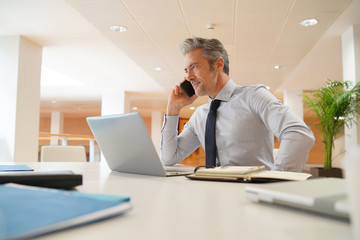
[[27, 212], [6, 168]]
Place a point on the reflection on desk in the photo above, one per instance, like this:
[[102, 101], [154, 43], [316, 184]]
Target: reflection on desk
[[179, 208]]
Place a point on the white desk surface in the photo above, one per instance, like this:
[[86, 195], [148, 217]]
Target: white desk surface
[[180, 208]]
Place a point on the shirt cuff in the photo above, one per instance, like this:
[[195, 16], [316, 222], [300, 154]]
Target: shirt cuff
[[170, 123]]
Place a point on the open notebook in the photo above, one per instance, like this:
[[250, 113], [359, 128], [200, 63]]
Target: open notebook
[[246, 174], [127, 147]]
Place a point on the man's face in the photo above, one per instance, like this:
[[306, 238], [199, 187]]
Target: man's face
[[199, 73]]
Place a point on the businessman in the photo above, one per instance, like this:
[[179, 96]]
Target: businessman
[[238, 125]]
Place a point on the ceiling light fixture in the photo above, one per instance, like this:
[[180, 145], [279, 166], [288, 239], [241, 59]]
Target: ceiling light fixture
[[192, 108], [210, 27], [157, 68], [279, 67], [309, 22], [134, 108], [118, 28]]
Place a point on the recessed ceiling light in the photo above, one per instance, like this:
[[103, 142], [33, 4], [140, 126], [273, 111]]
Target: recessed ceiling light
[[192, 108], [279, 67], [118, 28], [157, 68], [309, 22], [210, 27], [134, 108]]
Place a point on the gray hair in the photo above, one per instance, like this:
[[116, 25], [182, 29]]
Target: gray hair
[[212, 50]]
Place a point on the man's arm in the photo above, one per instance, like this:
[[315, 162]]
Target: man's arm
[[295, 137], [293, 152], [177, 100], [175, 148]]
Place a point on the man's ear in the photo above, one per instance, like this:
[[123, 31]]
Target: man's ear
[[219, 65]]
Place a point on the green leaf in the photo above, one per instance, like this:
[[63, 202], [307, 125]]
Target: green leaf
[[336, 105]]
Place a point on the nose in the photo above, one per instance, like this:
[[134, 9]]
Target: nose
[[190, 75]]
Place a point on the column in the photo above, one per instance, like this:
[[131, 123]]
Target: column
[[56, 126], [294, 100], [156, 123], [115, 103], [20, 68], [350, 41]]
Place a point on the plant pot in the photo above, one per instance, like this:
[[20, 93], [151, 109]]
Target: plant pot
[[321, 172]]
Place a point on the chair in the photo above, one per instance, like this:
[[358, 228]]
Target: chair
[[63, 154]]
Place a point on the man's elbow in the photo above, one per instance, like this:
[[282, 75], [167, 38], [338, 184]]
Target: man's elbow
[[166, 161], [304, 136], [310, 139]]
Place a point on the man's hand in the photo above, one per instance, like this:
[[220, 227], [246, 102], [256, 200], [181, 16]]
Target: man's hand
[[177, 100]]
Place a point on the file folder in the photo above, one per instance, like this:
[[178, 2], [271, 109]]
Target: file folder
[[27, 212], [6, 168]]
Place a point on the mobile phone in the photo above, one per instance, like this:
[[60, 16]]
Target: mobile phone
[[187, 88]]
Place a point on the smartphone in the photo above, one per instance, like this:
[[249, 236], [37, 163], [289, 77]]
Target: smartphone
[[187, 88]]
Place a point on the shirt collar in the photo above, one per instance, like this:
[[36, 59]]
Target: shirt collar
[[226, 92]]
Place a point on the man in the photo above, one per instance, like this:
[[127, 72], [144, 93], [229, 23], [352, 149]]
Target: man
[[247, 118]]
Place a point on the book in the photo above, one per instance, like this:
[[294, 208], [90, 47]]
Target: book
[[64, 179], [6, 168], [249, 174], [28, 212]]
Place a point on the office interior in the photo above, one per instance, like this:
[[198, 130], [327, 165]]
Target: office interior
[[62, 61]]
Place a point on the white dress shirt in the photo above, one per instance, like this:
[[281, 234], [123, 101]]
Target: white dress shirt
[[247, 120]]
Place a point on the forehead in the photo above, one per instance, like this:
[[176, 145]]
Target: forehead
[[194, 56]]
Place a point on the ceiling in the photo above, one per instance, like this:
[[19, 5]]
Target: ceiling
[[83, 58]]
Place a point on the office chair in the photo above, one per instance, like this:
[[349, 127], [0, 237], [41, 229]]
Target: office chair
[[63, 154]]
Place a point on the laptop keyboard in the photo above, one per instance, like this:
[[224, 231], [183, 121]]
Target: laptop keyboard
[[179, 170], [181, 173]]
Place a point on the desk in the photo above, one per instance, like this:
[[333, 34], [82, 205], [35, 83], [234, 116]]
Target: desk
[[179, 208]]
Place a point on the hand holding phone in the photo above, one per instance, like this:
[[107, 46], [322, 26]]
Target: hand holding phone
[[187, 88]]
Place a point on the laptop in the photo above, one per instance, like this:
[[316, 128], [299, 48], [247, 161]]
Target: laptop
[[322, 195], [127, 147]]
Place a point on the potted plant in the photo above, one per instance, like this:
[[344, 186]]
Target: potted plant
[[336, 105]]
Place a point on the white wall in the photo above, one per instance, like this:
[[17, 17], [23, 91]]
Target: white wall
[[115, 103], [294, 101]]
